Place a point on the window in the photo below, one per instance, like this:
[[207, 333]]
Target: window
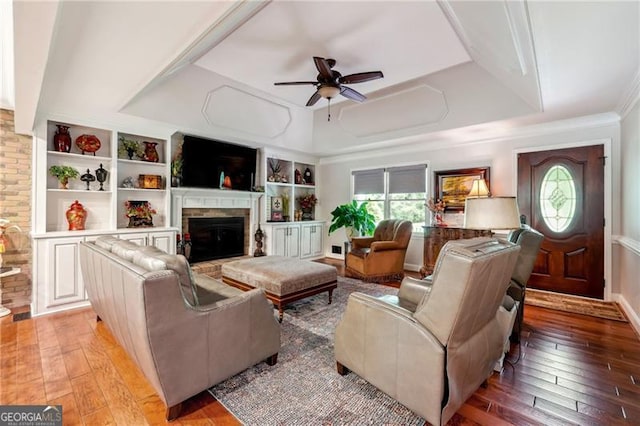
[[395, 192], [558, 198]]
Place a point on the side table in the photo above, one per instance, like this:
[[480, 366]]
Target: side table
[[435, 237]]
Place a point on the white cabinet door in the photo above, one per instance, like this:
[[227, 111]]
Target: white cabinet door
[[137, 238], [293, 241], [65, 279], [165, 241], [279, 243], [317, 244], [311, 240], [285, 241]]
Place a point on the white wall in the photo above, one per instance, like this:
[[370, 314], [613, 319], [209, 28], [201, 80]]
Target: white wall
[[626, 255], [499, 154]]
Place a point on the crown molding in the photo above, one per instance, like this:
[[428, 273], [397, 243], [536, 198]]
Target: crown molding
[[629, 97], [481, 134]]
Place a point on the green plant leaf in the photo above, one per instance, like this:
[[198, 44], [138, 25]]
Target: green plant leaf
[[353, 215]]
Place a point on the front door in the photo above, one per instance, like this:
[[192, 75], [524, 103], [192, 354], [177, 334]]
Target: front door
[[561, 193]]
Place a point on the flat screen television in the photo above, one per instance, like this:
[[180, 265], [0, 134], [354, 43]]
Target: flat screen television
[[207, 162]]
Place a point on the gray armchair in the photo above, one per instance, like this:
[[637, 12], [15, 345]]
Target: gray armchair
[[431, 346], [529, 241]]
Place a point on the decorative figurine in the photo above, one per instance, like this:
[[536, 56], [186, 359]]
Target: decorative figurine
[[308, 177], [101, 175], [259, 235], [127, 182], [88, 178]]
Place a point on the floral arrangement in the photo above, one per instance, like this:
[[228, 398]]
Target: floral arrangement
[[129, 147], [139, 209], [307, 201], [436, 206]]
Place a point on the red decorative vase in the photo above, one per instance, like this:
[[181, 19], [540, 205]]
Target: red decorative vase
[[62, 139], [150, 153], [76, 216]]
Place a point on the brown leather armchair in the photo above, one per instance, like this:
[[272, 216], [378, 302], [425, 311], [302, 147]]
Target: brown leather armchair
[[380, 258], [432, 346]]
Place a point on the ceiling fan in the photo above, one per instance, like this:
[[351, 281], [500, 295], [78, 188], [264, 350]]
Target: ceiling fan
[[330, 82]]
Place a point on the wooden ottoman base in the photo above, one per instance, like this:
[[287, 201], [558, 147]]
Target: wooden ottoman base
[[284, 280], [281, 301]]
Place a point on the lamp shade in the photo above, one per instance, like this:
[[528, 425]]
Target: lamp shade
[[491, 213], [479, 189]]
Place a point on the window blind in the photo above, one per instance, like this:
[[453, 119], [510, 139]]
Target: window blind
[[368, 181], [409, 179]]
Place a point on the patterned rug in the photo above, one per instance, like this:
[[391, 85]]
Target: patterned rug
[[303, 388], [574, 304]]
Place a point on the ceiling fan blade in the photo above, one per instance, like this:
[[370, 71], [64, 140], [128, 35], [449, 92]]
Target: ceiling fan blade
[[323, 68], [360, 77], [314, 98], [352, 94], [295, 83]]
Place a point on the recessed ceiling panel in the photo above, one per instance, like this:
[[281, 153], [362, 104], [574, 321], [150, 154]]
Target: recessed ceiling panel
[[418, 106], [241, 111], [404, 40]]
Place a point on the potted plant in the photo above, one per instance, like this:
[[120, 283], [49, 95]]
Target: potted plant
[[63, 174], [355, 219], [129, 148]]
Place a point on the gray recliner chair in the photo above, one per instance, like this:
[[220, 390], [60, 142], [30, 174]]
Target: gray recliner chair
[[432, 346], [529, 241]]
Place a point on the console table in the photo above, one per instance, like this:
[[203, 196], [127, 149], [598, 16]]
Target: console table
[[435, 237]]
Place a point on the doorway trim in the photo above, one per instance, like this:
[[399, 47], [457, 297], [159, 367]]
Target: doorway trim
[[607, 142]]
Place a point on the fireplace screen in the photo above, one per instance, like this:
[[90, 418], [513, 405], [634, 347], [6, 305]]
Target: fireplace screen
[[216, 238]]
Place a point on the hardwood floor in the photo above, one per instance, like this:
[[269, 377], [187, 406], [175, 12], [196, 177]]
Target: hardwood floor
[[573, 369]]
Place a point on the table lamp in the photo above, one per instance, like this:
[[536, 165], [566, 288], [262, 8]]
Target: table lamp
[[491, 213]]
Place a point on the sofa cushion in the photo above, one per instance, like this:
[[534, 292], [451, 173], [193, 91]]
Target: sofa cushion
[[124, 249], [106, 242], [154, 259]]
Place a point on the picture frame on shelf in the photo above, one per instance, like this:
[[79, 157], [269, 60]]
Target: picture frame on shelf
[[277, 209], [453, 186]]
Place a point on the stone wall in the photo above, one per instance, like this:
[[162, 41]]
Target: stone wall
[[15, 205]]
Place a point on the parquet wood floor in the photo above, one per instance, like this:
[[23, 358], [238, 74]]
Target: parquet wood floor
[[573, 369]]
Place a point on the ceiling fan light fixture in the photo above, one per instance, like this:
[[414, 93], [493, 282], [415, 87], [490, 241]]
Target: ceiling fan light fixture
[[328, 92]]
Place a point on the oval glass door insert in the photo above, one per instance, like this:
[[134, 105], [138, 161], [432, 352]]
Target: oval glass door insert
[[558, 198]]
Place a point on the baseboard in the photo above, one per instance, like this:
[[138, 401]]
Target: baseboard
[[334, 256], [634, 318]]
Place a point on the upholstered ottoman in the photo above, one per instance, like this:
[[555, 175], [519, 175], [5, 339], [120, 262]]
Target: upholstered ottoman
[[284, 279]]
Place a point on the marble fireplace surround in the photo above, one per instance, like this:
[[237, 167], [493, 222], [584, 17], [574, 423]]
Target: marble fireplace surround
[[197, 202]]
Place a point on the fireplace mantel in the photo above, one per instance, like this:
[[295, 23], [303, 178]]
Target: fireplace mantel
[[198, 198]]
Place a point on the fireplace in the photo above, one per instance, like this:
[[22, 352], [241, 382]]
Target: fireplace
[[216, 237]]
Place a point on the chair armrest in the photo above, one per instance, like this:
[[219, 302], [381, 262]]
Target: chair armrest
[[385, 345], [385, 245], [361, 242], [413, 291]]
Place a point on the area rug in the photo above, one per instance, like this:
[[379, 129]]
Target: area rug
[[303, 388], [574, 304]]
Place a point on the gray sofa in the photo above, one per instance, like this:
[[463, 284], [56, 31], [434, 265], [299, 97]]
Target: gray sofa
[[186, 332]]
